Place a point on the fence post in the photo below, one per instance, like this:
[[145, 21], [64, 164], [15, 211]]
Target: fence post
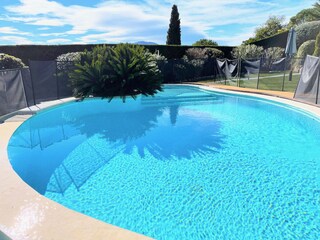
[[57, 79], [24, 89], [259, 73], [239, 71], [318, 88], [284, 73], [225, 75], [32, 87]]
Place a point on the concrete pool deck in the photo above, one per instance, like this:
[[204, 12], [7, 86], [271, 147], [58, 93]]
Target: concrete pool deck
[[25, 214]]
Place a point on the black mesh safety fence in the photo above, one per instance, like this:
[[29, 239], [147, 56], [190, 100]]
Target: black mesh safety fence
[[28, 87], [280, 74], [229, 68], [188, 70], [62, 75], [42, 81], [45, 84], [12, 93], [308, 88], [49, 80]]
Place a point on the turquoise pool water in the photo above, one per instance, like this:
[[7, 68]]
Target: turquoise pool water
[[186, 164]]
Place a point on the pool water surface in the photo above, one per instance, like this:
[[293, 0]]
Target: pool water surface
[[185, 164]]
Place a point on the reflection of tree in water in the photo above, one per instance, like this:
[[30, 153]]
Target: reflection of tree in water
[[73, 143], [198, 133], [123, 126], [190, 135], [174, 111]]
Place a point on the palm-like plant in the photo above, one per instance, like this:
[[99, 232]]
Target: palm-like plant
[[124, 70]]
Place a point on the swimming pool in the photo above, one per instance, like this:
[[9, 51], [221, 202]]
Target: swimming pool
[[187, 164]]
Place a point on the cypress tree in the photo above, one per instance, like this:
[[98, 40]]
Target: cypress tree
[[174, 31]]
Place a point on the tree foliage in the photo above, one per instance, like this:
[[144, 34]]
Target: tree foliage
[[272, 26], [174, 31], [123, 70], [205, 42], [247, 51], [305, 15]]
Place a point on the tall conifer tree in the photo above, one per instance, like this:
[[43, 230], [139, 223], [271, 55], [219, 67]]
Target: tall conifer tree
[[174, 31]]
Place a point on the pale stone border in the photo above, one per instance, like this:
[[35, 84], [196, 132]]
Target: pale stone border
[[25, 214]]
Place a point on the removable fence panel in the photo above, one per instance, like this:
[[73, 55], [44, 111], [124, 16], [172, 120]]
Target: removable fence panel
[[44, 80], [25, 87], [12, 93], [308, 86]]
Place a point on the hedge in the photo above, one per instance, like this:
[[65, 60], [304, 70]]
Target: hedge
[[278, 40], [51, 52]]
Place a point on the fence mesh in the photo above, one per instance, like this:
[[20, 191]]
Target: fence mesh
[[26, 87], [309, 84], [49, 80], [12, 94], [265, 73]]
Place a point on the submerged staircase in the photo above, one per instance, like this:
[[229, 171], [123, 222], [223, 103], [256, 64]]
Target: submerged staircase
[[185, 99]]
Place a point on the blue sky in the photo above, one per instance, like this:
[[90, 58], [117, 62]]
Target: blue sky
[[228, 22]]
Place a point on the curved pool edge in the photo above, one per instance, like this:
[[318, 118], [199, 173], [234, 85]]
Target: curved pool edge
[[25, 214], [295, 104]]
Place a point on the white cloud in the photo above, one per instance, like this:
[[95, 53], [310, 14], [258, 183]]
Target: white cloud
[[52, 34], [113, 37], [16, 40], [231, 40], [113, 20], [58, 41], [14, 31]]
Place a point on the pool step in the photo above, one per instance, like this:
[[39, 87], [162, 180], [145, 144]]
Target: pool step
[[179, 100]]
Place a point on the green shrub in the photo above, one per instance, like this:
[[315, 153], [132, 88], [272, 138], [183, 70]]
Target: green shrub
[[123, 70], [317, 46], [307, 48], [214, 52], [69, 57], [157, 56], [195, 53], [274, 52], [307, 31], [10, 62], [67, 60], [247, 51], [189, 69], [192, 65]]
